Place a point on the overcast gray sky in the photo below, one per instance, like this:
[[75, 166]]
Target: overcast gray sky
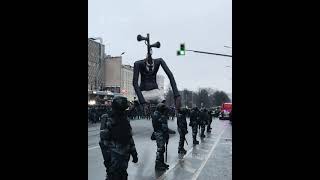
[[204, 25]]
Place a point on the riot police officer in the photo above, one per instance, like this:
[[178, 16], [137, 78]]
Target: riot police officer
[[194, 122], [203, 121], [116, 140], [210, 114], [161, 134], [182, 129]]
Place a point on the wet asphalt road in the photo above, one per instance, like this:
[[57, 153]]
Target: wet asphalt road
[[210, 160]]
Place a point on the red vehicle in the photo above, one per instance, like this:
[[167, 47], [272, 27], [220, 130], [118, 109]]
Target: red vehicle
[[225, 111]]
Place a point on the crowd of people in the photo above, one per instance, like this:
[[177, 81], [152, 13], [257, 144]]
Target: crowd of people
[[117, 143], [134, 111], [96, 111]]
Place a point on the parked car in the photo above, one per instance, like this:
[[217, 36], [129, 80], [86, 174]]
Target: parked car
[[216, 112]]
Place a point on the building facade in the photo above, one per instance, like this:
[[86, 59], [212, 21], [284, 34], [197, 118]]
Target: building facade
[[126, 82], [95, 65], [112, 75]]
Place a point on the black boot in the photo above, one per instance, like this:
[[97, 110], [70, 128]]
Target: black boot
[[181, 144], [182, 151], [171, 131], [195, 140], [161, 166], [167, 165], [202, 132]]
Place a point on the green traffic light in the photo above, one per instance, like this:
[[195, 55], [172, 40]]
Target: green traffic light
[[181, 53], [182, 50]]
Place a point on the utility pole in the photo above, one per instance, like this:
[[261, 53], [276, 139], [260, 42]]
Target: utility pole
[[182, 51]]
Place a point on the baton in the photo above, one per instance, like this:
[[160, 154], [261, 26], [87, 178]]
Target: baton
[[166, 151]]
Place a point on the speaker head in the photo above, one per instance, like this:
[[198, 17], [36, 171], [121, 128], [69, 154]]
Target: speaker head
[[140, 38], [156, 45]]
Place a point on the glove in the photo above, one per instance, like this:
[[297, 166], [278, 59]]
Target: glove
[[135, 158]]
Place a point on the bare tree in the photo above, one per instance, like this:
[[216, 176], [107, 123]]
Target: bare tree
[[220, 97], [208, 96], [203, 97], [186, 98]]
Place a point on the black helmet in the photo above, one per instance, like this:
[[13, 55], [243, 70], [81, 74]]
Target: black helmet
[[195, 108], [162, 108], [120, 103], [183, 110]]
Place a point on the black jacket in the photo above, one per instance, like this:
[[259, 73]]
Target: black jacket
[[149, 79], [182, 124], [194, 118]]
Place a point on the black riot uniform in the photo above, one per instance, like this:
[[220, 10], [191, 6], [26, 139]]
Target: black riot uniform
[[94, 114], [203, 121], [161, 134], [182, 129], [194, 123], [210, 114], [116, 140]]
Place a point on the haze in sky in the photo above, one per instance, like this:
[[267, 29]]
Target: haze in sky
[[204, 25]]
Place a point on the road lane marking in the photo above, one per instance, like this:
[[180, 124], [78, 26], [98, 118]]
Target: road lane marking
[[187, 165], [188, 152], [92, 148], [91, 135], [172, 167], [195, 176], [91, 130]]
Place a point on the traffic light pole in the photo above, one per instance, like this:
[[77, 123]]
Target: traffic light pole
[[209, 53]]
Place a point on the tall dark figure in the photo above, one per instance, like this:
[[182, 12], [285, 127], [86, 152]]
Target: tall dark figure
[[148, 90]]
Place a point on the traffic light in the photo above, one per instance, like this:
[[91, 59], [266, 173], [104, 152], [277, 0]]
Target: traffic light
[[182, 50]]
